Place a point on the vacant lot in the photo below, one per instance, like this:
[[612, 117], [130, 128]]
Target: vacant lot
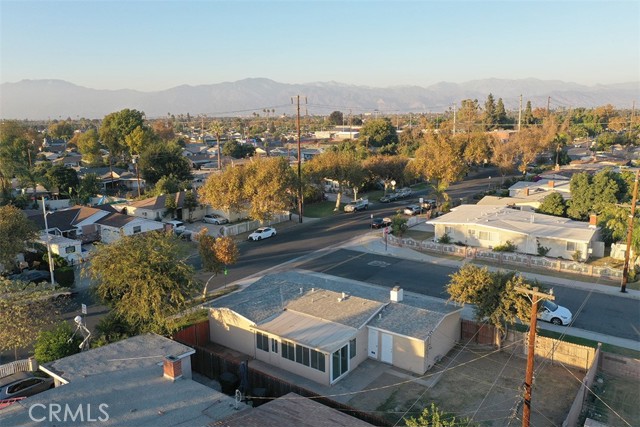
[[478, 383], [618, 403]]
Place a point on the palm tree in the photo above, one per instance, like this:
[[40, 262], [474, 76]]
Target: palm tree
[[217, 128]]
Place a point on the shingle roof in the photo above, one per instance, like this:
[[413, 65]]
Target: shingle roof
[[66, 219], [265, 300], [116, 220]]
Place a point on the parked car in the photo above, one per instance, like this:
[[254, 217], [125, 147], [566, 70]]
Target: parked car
[[24, 384], [412, 210], [380, 222], [35, 276], [549, 311], [357, 205], [214, 219], [429, 204], [405, 192], [386, 199], [178, 226], [262, 233]]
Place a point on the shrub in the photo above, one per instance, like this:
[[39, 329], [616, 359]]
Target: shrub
[[444, 239], [398, 225], [57, 343], [507, 246], [577, 255]]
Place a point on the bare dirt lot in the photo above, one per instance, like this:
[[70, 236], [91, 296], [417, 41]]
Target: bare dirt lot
[[619, 401], [478, 383]]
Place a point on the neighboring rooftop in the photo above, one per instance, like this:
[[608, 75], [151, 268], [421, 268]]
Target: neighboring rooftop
[[291, 410]]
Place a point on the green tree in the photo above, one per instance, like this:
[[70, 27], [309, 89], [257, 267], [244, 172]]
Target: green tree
[[592, 194], [160, 159], [168, 184], [17, 153], [399, 225], [238, 151], [116, 126], [190, 203], [90, 186], [139, 138], [343, 166], [25, 309], [468, 117], [62, 179], [262, 187], [581, 202], [553, 204], [489, 117], [89, 146], [217, 253], [378, 133], [56, 343], [16, 231], [527, 115], [493, 294], [433, 417], [336, 118], [61, 130], [501, 113], [152, 281], [386, 169]]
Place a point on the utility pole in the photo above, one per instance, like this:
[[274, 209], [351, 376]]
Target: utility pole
[[625, 269], [454, 119], [520, 114], [299, 160], [633, 113], [548, 104], [526, 411]]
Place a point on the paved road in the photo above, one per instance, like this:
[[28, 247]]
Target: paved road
[[606, 314]]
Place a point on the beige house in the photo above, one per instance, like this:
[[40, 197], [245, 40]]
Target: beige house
[[115, 225], [322, 327], [490, 226]]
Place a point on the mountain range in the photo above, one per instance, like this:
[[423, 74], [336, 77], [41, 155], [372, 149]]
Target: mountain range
[[48, 99]]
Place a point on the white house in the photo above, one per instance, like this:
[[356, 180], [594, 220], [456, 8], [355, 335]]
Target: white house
[[69, 249], [115, 225], [491, 226]]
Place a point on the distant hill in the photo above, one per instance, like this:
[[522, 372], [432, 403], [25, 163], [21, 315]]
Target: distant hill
[[42, 99]]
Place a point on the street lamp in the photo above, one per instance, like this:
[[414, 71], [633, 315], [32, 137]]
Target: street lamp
[[46, 226]]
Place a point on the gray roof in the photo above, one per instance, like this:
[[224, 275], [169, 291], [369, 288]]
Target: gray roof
[[315, 333], [406, 320], [517, 221], [135, 397], [139, 351], [268, 297], [292, 410]]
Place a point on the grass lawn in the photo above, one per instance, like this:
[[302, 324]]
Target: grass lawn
[[321, 209]]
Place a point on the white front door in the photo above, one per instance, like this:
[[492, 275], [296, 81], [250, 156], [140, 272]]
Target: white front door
[[386, 355], [373, 344]]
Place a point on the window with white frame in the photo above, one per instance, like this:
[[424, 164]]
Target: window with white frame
[[486, 235], [70, 249], [274, 345], [262, 341], [288, 350], [448, 229]]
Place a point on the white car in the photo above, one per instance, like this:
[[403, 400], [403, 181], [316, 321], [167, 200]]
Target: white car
[[549, 311], [214, 219], [262, 233], [178, 226], [412, 210]]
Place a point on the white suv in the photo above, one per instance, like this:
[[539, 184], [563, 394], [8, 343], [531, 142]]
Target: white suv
[[178, 226]]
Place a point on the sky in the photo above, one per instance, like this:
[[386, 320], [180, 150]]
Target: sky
[[155, 45]]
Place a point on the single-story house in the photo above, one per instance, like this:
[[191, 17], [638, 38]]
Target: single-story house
[[145, 380], [114, 226], [69, 249], [322, 327], [76, 222], [488, 226], [155, 208], [536, 191]]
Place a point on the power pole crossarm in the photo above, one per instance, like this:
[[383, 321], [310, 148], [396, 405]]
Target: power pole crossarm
[[535, 296]]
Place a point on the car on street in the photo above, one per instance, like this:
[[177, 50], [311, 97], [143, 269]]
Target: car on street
[[214, 219], [380, 222], [551, 312], [35, 276], [262, 233], [405, 192], [357, 205], [24, 384], [429, 204], [391, 197], [412, 210]]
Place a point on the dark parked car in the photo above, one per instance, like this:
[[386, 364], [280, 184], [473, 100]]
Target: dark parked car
[[35, 276], [380, 222], [24, 384], [391, 197]]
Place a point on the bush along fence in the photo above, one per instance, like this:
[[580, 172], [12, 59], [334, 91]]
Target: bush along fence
[[511, 258]]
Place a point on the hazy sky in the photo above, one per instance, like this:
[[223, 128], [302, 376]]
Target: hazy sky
[[153, 45]]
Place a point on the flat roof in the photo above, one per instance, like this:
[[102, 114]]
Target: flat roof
[[308, 330]]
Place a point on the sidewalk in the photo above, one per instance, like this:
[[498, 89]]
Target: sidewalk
[[372, 242]]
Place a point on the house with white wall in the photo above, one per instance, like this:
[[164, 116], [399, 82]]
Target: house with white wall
[[490, 226], [69, 249], [322, 327], [114, 226]]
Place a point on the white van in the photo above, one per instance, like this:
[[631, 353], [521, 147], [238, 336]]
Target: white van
[[178, 226]]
